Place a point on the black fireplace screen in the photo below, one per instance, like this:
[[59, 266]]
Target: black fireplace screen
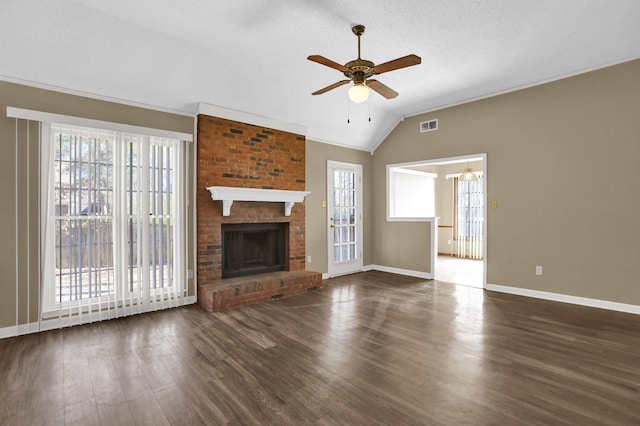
[[255, 248]]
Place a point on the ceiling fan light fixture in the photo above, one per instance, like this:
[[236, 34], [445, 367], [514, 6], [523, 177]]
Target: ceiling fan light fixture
[[358, 93]]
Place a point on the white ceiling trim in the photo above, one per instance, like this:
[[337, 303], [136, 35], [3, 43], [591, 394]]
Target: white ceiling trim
[[93, 96], [247, 56], [245, 117], [338, 144], [522, 87], [28, 114]]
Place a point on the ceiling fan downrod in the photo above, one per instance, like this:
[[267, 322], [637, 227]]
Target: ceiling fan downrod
[[358, 30]]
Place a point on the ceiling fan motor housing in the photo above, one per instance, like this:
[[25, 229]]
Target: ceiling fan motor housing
[[359, 67]]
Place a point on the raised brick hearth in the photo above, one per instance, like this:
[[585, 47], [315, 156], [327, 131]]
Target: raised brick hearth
[[233, 154], [234, 292]]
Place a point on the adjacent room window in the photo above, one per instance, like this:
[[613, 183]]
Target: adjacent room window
[[114, 219], [469, 208], [469, 217], [411, 193]]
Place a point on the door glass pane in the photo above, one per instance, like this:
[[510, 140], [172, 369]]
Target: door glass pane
[[344, 211]]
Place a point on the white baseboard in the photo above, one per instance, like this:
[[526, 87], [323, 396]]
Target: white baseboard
[[407, 272], [18, 330], [34, 327], [574, 300], [556, 297]]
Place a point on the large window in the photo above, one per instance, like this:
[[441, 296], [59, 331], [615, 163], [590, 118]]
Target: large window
[[113, 233], [411, 193]]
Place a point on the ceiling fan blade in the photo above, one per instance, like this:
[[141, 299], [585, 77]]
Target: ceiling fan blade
[[328, 62], [405, 61], [385, 91], [331, 87]]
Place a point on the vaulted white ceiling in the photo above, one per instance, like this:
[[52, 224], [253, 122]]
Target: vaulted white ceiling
[[250, 55]]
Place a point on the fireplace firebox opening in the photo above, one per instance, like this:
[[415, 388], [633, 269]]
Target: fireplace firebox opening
[[256, 248]]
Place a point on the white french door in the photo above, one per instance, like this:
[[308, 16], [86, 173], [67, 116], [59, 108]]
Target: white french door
[[344, 217]]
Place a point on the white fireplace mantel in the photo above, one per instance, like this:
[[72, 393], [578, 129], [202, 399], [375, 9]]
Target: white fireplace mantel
[[228, 195]]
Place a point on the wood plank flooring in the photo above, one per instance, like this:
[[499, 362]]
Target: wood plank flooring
[[370, 348]]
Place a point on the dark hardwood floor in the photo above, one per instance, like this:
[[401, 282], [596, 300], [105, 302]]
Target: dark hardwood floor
[[370, 348]]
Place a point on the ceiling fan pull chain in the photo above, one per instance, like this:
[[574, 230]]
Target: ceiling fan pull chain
[[348, 111]]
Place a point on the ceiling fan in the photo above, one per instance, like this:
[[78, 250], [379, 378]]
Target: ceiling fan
[[360, 70]]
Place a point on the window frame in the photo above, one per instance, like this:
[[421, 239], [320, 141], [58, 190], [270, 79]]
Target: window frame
[[121, 294], [392, 171], [456, 180]]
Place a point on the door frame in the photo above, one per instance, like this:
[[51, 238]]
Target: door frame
[[331, 164], [434, 234]]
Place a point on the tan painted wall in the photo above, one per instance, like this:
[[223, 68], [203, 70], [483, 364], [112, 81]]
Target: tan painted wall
[[19, 176], [316, 215], [562, 162]]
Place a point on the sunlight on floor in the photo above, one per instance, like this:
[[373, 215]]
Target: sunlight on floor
[[459, 271]]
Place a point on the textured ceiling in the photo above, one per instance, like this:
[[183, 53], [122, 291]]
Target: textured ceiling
[[250, 55]]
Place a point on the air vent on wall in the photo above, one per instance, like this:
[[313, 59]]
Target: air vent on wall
[[429, 126]]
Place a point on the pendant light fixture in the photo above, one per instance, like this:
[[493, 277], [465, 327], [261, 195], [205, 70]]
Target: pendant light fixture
[[468, 175]]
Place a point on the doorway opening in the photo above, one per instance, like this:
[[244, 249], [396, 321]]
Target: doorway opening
[[460, 207]]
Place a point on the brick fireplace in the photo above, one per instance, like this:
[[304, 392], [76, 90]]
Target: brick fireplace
[[238, 155]]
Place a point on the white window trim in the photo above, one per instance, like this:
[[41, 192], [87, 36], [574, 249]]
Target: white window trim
[[33, 115], [401, 168]]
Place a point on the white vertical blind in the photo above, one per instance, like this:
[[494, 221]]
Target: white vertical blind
[[112, 224]]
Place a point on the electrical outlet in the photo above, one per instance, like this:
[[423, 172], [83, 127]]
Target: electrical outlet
[[308, 259], [538, 270], [449, 242]]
